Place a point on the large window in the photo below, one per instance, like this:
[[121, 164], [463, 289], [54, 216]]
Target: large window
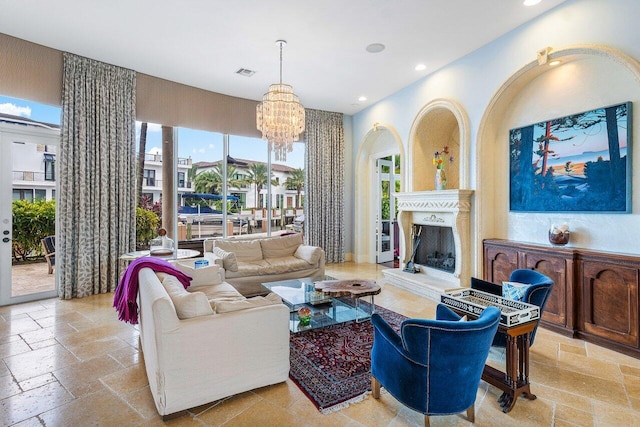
[[203, 161]]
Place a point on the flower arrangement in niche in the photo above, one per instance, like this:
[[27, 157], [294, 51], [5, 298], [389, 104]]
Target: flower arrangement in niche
[[440, 157]]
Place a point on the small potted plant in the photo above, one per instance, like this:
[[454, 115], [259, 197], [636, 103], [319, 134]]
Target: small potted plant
[[304, 315]]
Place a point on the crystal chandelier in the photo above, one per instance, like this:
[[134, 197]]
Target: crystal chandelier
[[280, 116]]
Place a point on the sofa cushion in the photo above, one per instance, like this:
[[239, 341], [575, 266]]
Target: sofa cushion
[[220, 292], [284, 265], [187, 304], [254, 268], [209, 275], [229, 259], [278, 247], [245, 250], [227, 306], [310, 254]]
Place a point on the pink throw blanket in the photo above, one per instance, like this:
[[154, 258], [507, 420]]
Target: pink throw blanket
[[126, 293]]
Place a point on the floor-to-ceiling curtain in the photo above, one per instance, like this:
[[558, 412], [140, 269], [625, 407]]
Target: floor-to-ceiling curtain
[[324, 188], [96, 201]]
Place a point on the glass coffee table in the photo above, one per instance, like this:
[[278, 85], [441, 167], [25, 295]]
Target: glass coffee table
[[325, 310]]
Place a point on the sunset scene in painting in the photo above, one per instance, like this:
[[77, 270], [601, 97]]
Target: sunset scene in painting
[[573, 163]]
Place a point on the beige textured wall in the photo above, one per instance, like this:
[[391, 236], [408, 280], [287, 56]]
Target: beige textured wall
[[34, 72]]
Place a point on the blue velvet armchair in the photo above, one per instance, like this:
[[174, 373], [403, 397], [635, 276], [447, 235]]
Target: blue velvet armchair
[[537, 294], [433, 366]]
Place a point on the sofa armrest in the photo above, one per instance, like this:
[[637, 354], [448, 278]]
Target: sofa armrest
[[310, 254], [215, 260]]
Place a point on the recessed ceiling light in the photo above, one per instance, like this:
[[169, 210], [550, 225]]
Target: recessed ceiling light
[[531, 2], [421, 67], [555, 62], [375, 47], [362, 98]]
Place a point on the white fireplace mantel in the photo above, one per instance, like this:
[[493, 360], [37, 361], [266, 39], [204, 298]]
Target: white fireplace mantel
[[445, 208]]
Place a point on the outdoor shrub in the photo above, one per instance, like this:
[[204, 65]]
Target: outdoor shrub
[[146, 226], [32, 221]]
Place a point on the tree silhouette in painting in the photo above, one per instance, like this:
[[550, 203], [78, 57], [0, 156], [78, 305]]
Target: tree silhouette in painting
[[573, 163]]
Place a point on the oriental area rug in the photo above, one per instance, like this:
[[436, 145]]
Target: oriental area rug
[[332, 365]]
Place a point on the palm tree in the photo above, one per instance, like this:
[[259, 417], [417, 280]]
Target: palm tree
[[295, 181], [211, 180], [207, 182], [258, 176]]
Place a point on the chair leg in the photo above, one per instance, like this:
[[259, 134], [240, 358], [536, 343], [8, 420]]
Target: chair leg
[[471, 413], [375, 388], [426, 420]]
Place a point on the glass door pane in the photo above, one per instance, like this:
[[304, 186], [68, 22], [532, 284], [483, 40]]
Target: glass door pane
[[27, 205], [386, 214]]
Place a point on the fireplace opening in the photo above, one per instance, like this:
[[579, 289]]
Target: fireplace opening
[[435, 247]]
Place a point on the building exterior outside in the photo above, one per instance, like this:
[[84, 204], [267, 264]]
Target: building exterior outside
[[34, 174], [152, 178], [34, 164], [282, 197]]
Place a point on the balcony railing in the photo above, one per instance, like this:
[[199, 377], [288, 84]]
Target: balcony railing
[[157, 183], [158, 159], [30, 176]]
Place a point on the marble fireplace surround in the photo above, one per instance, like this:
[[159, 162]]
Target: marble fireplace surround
[[445, 208]]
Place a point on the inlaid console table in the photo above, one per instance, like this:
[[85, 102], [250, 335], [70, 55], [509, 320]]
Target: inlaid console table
[[595, 295]]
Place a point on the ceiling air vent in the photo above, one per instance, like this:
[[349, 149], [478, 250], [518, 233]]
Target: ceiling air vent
[[245, 72]]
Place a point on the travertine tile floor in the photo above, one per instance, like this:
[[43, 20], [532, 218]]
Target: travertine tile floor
[[72, 363]]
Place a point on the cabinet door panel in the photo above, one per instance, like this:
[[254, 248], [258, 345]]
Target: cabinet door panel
[[610, 302], [499, 263], [555, 310]]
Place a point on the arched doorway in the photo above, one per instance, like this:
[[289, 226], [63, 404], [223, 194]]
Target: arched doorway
[[380, 142]]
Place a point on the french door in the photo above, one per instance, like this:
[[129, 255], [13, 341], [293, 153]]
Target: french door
[[386, 211], [24, 174]]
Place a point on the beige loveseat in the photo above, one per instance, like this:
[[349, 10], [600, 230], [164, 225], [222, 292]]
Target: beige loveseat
[[250, 262], [208, 342]]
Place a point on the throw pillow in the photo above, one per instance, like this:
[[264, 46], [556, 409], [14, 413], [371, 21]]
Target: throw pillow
[[209, 275], [245, 250], [514, 291], [227, 306], [187, 304], [229, 259]]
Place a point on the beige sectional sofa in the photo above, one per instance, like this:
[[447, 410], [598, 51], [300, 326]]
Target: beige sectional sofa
[[208, 342], [250, 262]]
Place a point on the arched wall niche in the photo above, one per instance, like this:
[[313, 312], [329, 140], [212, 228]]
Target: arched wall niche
[[382, 140], [441, 123], [590, 76]]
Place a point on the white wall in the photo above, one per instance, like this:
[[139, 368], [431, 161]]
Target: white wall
[[474, 79]]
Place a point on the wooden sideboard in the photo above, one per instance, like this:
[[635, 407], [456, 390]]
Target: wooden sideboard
[[595, 295]]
